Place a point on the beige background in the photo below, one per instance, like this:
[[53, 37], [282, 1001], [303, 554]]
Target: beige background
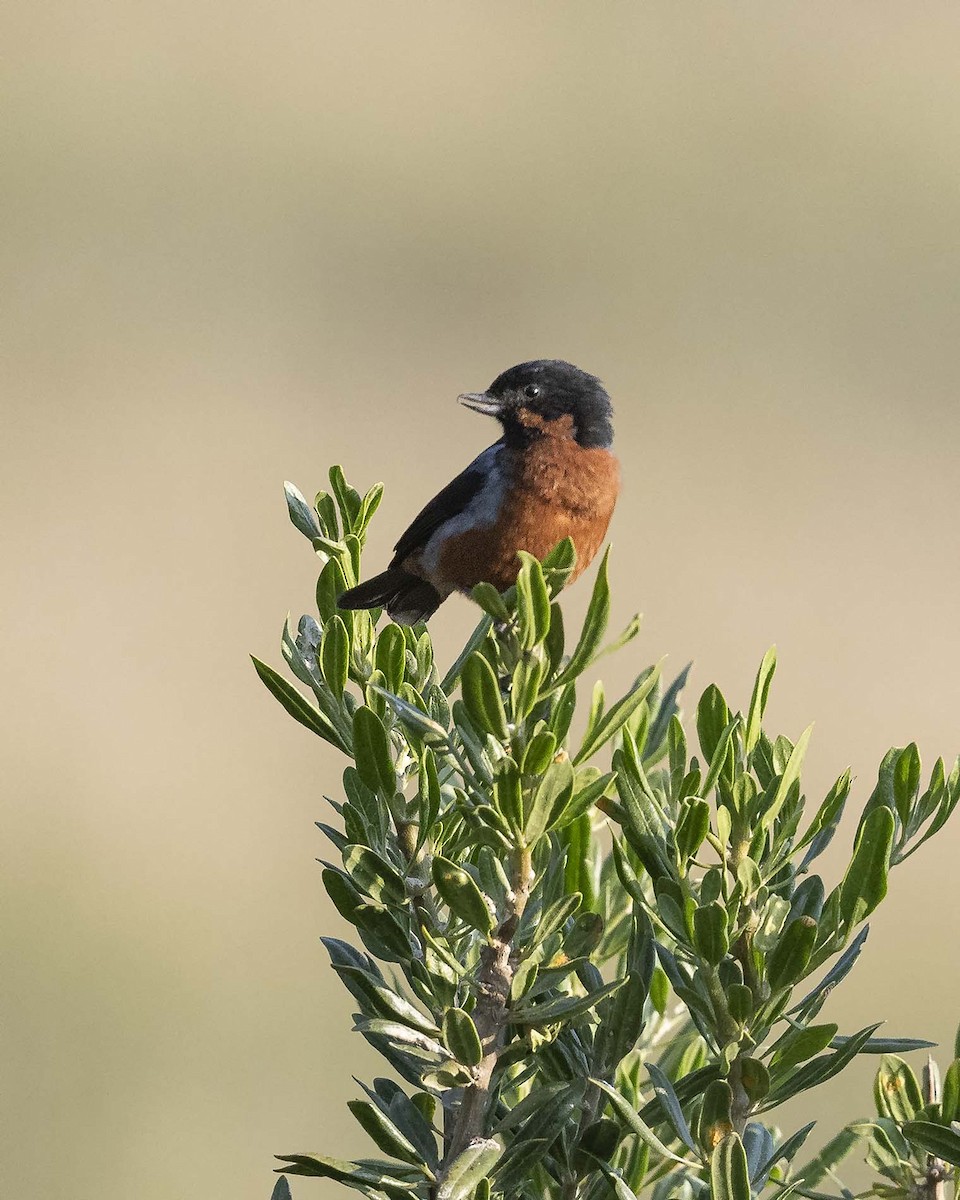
[[245, 240]]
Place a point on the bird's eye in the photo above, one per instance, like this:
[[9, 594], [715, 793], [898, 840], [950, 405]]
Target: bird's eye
[[532, 391]]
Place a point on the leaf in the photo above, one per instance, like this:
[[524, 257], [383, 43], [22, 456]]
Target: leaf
[[549, 801], [357, 1175], [297, 706], [791, 774], [469, 1168], [710, 933], [865, 882], [715, 1121], [564, 1008], [374, 875], [838, 972], [729, 1177], [785, 1151], [334, 656], [713, 716], [461, 1037], [788, 960], [348, 498], [385, 1135], [935, 1139], [389, 656], [800, 1044], [635, 1124], [461, 894], [758, 701], [898, 1090], [906, 781], [671, 1106], [481, 696], [371, 749], [818, 1070], [719, 757], [832, 1154], [594, 627], [616, 717], [476, 639], [301, 514], [533, 602], [553, 920], [281, 1190]]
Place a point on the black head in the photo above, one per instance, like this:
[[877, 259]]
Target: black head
[[547, 398]]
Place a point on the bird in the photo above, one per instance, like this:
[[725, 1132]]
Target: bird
[[552, 474]]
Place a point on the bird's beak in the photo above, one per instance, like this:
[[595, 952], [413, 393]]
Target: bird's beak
[[481, 402]]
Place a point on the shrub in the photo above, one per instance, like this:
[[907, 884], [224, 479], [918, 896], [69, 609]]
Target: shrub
[[594, 962]]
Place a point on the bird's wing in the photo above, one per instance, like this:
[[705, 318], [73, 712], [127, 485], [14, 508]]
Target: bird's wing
[[446, 504]]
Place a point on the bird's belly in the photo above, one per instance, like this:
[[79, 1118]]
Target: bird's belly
[[569, 496]]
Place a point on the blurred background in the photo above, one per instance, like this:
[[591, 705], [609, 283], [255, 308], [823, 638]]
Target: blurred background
[[242, 241]]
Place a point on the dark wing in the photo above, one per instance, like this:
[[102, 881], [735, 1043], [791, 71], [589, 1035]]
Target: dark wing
[[446, 504]]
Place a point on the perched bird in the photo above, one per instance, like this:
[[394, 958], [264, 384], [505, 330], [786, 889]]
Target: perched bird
[[551, 475]]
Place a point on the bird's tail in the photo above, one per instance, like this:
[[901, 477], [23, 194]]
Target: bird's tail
[[407, 598]]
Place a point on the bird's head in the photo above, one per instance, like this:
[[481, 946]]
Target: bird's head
[[547, 398]]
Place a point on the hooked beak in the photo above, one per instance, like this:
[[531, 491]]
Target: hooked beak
[[482, 403]]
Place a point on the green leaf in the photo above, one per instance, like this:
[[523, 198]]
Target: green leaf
[[785, 1151], [594, 627], [719, 756], [813, 1000], [616, 717], [632, 1121], [935, 1139], [897, 1090], [374, 875], [412, 715], [369, 505], [490, 600], [549, 801], [692, 827], [729, 1177], [755, 1078], [670, 1104], [713, 716], [533, 602], [475, 1164], [539, 753], [482, 698], [865, 883], [800, 1044], [301, 514], [710, 933], [824, 1163], [358, 1175], [348, 499], [334, 656], [758, 701], [716, 1121], [390, 656], [818, 1070], [476, 640], [906, 781], [788, 960], [297, 706], [790, 776], [564, 1008], [371, 748], [385, 1135], [461, 1037], [281, 1190], [950, 1104], [461, 894]]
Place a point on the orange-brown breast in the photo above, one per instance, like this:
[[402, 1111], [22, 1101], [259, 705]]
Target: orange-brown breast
[[557, 489]]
